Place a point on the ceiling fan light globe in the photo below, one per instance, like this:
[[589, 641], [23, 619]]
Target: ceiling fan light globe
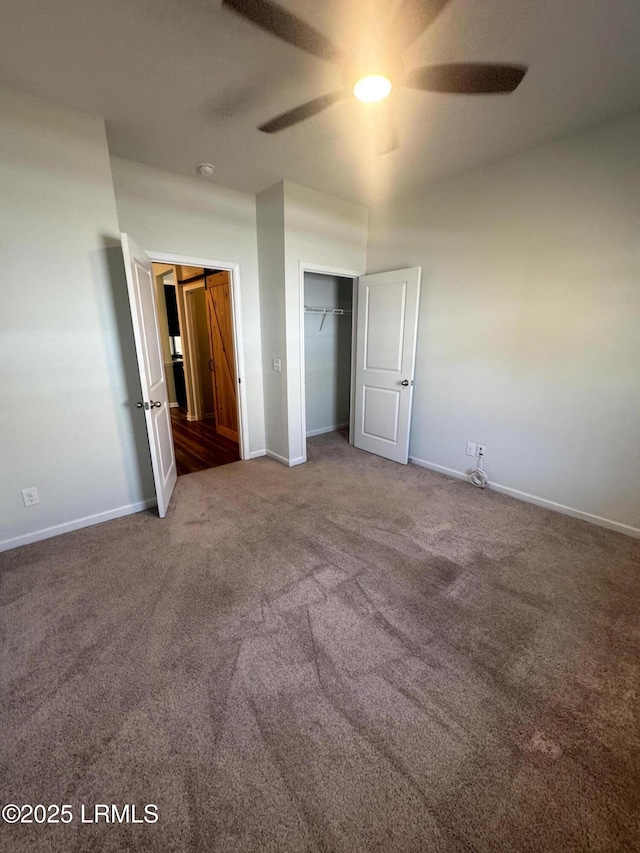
[[372, 88]]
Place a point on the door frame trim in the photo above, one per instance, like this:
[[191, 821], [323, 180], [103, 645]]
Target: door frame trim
[[321, 269], [238, 341]]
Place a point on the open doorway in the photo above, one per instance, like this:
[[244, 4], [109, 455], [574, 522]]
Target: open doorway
[[328, 353], [197, 335]]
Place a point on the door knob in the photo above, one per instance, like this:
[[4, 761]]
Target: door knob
[[405, 382], [155, 405], [139, 405]]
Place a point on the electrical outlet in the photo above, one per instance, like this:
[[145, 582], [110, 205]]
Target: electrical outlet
[[481, 450], [277, 365], [471, 449], [30, 496]]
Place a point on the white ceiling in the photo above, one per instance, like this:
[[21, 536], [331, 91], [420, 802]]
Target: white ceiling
[[182, 81]]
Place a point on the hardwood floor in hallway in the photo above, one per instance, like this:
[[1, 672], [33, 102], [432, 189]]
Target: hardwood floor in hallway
[[198, 445]]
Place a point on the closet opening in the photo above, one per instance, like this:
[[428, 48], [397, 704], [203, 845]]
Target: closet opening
[[196, 330], [328, 354]]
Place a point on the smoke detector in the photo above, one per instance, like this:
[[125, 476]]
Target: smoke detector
[[206, 169]]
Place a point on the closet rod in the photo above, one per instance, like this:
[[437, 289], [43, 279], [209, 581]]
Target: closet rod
[[325, 312]]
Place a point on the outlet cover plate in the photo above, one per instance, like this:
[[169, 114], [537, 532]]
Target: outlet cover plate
[[30, 496]]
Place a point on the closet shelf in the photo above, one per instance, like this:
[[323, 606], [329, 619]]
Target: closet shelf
[[326, 311]]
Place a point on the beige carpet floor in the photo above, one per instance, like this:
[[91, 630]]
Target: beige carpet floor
[[346, 656]]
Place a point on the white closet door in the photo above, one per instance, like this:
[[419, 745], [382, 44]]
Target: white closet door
[[385, 361]]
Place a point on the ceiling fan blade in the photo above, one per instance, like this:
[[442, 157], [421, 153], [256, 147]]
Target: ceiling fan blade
[[302, 112], [412, 18], [287, 26], [467, 78]]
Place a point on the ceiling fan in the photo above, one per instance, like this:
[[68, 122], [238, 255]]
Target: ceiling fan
[[376, 66]]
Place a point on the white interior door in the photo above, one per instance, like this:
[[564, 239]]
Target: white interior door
[[155, 402], [385, 359]]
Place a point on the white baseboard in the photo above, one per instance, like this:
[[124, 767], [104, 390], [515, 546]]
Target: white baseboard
[[77, 524], [290, 463], [254, 454], [534, 499], [174, 405], [451, 472], [277, 457], [322, 430]]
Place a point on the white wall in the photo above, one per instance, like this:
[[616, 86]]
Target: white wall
[[529, 335], [174, 214], [326, 234], [67, 420], [327, 353], [297, 226], [270, 216]]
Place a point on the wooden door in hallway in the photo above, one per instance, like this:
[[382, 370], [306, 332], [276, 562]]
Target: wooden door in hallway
[[221, 345]]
